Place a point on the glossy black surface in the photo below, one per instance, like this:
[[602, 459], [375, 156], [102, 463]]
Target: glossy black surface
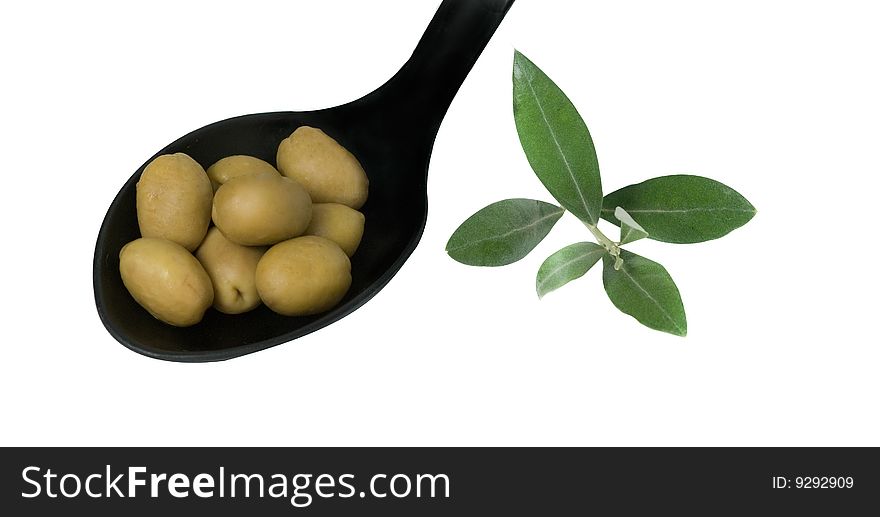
[[391, 131]]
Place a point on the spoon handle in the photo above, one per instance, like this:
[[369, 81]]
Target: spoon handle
[[424, 87]]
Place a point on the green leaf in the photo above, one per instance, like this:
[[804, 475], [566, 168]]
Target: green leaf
[[630, 230], [503, 232], [556, 141], [643, 289], [567, 264], [681, 209]]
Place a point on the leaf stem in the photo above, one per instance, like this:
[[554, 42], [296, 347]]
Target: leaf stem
[[606, 243]]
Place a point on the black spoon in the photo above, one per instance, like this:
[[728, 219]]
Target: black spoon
[[391, 131]]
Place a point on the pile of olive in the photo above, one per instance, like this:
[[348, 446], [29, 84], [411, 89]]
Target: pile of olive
[[281, 236]]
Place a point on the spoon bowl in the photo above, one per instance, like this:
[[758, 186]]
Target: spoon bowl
[[391, 131]]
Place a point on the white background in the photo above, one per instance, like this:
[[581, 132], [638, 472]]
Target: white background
[[778, 99]]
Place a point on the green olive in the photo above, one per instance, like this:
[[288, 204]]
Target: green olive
[[303, 276], [174, 200], [339, 223], [166, 280], [261, 209], [232, 268], [327, 170], [238, 165]]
